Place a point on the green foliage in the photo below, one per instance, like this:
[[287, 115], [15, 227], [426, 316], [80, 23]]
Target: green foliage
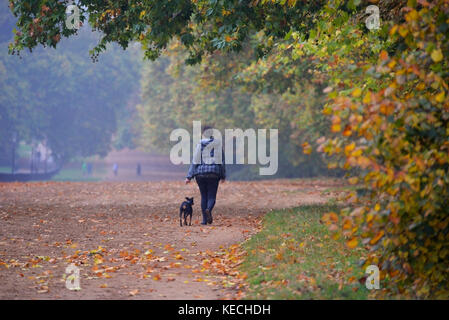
[[203, 26]]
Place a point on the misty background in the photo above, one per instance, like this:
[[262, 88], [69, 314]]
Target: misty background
[[62, 113]]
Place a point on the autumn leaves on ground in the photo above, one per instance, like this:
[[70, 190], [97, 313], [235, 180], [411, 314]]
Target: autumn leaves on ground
[[126, 239]]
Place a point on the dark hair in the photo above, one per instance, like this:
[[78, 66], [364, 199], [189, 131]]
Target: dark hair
[[206, 128]]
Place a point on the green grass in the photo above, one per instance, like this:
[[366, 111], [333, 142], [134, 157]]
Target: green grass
[[70, 174], [23, 150], [5, 169], [341, 188], [295, 257]]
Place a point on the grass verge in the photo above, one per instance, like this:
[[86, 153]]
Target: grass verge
[[74, 175], [295, 257], [5, 169]]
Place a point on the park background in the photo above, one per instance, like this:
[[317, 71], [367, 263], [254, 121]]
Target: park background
[[82, 110]]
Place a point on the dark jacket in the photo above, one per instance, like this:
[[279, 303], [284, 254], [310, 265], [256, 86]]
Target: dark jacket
[[206, 164]]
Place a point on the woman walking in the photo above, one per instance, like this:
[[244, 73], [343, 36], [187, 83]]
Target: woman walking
[[208, 168]]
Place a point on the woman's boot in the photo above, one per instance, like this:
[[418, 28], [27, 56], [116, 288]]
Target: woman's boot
[[209, 216], [204, 218]]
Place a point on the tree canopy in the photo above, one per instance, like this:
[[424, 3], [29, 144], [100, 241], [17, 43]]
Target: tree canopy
[[202, 26]]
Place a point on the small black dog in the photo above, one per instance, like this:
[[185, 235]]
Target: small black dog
[[187, 210]]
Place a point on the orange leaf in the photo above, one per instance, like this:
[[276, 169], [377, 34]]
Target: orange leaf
[[157, 277], [347, 224], [352, 243], [377, 237], [384, 55]]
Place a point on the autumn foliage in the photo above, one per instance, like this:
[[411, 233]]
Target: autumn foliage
[[390, 126]]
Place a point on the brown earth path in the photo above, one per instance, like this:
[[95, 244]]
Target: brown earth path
[[144, 252]]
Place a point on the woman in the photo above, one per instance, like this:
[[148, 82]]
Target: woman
[[208, 168]]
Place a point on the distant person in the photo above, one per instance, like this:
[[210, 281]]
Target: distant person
[[89, 168], [38, 159], [115, 169], [207, 173], [139, 169], [84, 168]]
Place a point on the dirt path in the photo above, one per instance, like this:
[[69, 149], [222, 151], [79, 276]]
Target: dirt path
[[126, 238]]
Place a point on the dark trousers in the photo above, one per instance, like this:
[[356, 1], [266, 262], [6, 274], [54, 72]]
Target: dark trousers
[[208, 189]]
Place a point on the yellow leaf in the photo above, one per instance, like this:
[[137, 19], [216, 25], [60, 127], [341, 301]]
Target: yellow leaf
[[421, 86], [327, 110], [437, 55], [403, 31], [393, 29], [336, 127], [367, 98], [392, 64], [440, 97], [349, 148], [356, 153], [225, 12], [356, 93], [412, 15]]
